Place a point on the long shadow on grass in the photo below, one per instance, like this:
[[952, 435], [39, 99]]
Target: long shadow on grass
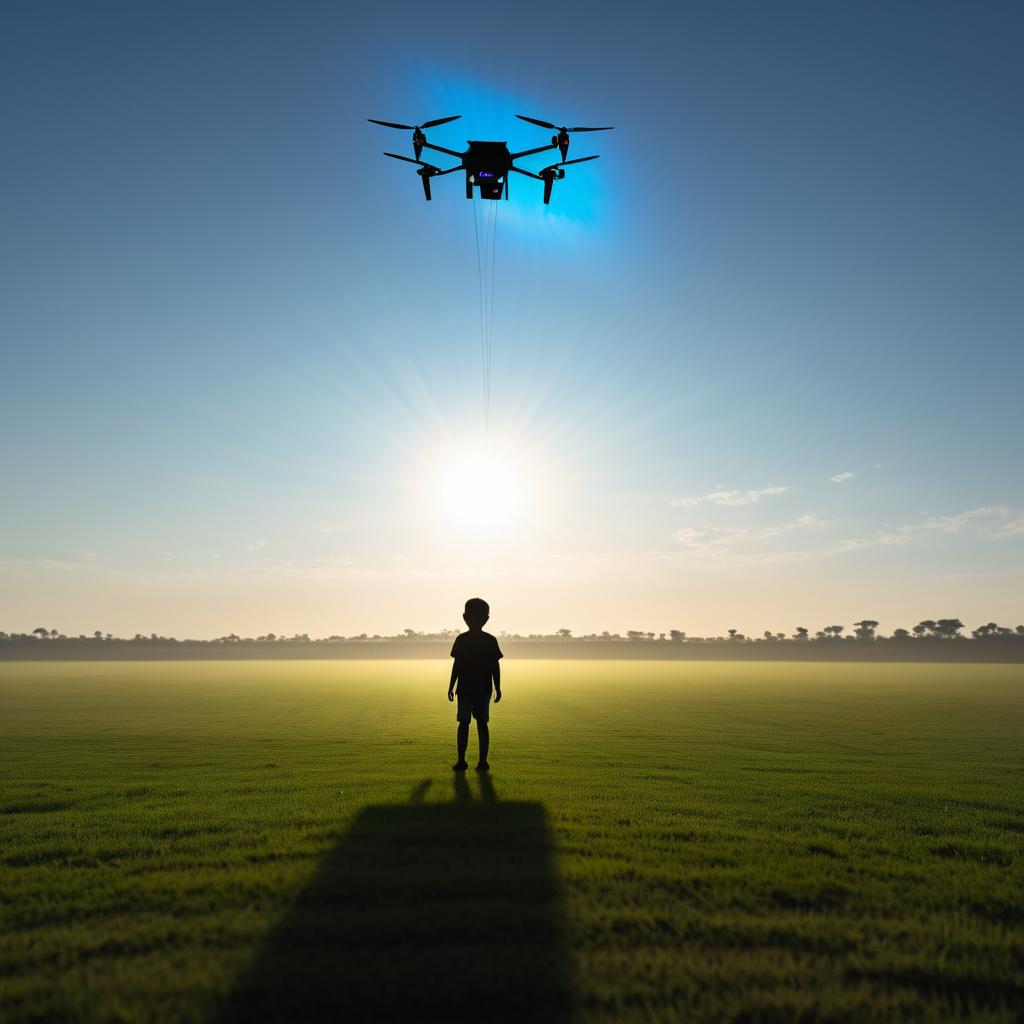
[[422, 911]]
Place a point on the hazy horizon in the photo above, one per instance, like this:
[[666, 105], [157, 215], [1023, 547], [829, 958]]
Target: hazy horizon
[[757, 367]]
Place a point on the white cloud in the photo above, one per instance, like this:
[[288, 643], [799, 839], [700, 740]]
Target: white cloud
[[841, 478], [1001, 527], [689, 535], [723, 538], [74, 561], [797, 524], [953, 524], [880, 538], [732, 499], [1013, 528], [736, 545]]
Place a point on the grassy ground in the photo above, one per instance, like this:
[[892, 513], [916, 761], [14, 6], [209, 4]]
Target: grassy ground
[[722, 842]]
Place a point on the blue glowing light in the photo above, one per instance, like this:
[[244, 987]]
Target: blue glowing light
[[580, 207]]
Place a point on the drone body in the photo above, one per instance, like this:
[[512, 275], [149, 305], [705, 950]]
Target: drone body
[[489, 165]]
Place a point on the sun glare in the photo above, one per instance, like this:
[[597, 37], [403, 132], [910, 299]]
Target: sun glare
[[482, 492]]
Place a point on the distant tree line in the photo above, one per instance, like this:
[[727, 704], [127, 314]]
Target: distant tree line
[[864, 631]]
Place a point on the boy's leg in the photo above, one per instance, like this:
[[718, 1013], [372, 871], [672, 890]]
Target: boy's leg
[[462, 739], [484, 736]]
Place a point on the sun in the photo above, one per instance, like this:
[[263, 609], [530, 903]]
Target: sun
[[482, 491]]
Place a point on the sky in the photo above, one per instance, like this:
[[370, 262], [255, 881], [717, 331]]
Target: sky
[[759, 366]]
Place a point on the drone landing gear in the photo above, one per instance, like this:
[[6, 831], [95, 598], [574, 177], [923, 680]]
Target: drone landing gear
[[469, 187]]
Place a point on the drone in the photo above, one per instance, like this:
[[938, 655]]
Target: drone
[[489, 165]]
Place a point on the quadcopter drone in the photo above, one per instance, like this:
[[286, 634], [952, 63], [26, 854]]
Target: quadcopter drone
[[488, 165]]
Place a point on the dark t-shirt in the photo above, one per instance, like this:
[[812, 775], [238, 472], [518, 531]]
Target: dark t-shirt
[[476, 655]]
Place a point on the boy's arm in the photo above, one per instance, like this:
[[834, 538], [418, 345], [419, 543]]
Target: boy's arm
[[497, 681], [451, 682]]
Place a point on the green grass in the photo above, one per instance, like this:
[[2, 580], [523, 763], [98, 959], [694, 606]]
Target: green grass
[[661, 841]]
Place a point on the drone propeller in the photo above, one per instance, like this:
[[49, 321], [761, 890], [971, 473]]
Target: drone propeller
[[555, 173], [560, 128], [561, 140], [426, 171], [415, 127], [409, 160], [418, 138]]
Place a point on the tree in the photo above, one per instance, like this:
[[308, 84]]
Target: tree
[[865, 629], [564, 634], [676, 635], [948, 628], [925, 626], [991, 631], [42, 632], [801, 633], [736, 635], [836, 631], [901, 634]]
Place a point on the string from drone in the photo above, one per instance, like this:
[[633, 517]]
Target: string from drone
[[485, 231]]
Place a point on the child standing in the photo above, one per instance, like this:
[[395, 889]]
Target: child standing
[[476, 655]]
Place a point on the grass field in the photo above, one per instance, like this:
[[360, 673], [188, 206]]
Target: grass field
[[254, 841]]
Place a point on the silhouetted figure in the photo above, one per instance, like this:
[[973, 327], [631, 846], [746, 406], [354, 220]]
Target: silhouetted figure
[[476, 655]]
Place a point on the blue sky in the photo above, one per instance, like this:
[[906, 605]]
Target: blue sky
[[239, 350]]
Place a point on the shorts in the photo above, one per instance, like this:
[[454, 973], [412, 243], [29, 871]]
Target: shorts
[[473, 707]]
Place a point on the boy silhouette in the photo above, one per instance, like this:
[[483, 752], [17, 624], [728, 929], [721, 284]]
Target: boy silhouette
[[476, 655]]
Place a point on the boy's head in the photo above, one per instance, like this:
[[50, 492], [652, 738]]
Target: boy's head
[[477, 612]]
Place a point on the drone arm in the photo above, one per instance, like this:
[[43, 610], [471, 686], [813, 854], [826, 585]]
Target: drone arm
[[441, 149], [528, 174], [530, 152], [448, 170]]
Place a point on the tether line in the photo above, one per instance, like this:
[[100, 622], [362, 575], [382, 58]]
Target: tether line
[[480, 296], [490, 321], [485, 253]]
